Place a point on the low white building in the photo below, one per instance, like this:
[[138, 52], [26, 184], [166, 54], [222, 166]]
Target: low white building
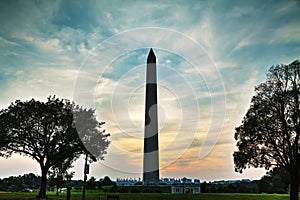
[[186, 186], [186, 189]]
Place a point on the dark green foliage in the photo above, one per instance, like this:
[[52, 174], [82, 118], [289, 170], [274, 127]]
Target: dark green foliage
[[229, 188], [135, 190], [106, 182], [91, 184], [17, 183], [153, 196], [123, 189], [60, 180], [270, 131], [59, 176], [31, 180], [155, 189], [204, 187], [51, 133], [114, 188], [276, 181]]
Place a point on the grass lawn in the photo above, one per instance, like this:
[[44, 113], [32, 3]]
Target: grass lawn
[[144, 196]]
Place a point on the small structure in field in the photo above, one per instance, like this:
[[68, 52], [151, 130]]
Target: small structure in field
[[186, 189]]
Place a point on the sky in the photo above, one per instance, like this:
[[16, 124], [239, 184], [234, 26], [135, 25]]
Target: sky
[[210, 56]]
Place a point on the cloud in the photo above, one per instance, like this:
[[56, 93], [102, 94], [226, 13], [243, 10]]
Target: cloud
[[39, 83], [50, 48], [6, 42]]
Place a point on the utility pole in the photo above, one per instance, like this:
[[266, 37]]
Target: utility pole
[[86, 171]]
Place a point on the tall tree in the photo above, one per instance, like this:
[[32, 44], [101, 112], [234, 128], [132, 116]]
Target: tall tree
[[270, 130], [50, 133]]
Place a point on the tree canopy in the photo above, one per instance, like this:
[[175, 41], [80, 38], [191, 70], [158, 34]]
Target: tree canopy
[[270, 130], [51, 133]]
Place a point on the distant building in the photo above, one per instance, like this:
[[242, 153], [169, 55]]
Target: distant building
[[169, 181], [127, 182], [183, 181], [223, 182], [196, 181], [193, 184], [186, 186]]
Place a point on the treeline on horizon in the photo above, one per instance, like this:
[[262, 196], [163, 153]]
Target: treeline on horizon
[[275, 181], [32, 181]]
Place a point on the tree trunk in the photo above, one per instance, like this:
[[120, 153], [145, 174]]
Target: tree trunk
[[42, 192], [294, 186]]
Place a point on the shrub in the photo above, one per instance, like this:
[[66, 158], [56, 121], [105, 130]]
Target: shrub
[[135, 190]]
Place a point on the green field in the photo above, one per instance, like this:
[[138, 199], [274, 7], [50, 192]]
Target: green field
[[150, 196]]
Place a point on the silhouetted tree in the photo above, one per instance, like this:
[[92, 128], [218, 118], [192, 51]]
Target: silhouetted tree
[[31, 180], [58, 173], [275, 181], [49, 133], [204, 187], [269, 134], [17, 183], [56, 181], [91, 184], [231, 188], [106, 181]]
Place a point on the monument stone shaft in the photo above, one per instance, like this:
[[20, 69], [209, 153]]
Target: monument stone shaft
[[151, 159]]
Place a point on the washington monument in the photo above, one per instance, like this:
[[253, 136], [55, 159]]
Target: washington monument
[[151, 159]]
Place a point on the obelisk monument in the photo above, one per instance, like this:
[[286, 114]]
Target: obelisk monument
[[151, 159]]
